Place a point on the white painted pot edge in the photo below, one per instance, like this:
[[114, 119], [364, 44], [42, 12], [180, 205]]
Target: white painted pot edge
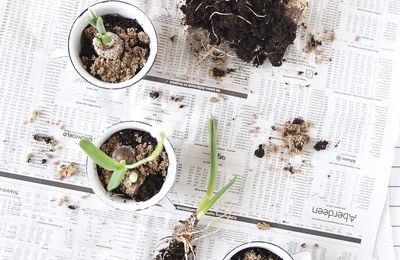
[[108, 7], [116, 201], [271, 247]]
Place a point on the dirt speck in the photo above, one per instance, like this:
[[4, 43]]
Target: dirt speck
[[61, 200], [154, 94], [45, 138], [263, 226], [66, 171], [260, 152], [321, 145]]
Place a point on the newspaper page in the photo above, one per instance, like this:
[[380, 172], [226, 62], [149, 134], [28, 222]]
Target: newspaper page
[[332, 207], [395, 199]]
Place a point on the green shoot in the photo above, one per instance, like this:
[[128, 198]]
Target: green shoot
[[119, 168], [101, 35], [97, 155], [210, 199]]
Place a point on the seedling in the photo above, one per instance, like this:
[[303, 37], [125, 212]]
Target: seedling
[[180, 246], [101, 35], [119, 167]]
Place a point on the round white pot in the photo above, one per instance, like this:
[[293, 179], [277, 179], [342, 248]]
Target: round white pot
[[103, 8], [271, 247], [117, 201]]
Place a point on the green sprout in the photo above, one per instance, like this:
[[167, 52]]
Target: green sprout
[[210, 199], [119, 168], [101, 35]]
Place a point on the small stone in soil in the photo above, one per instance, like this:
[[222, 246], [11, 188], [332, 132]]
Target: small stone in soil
[[154, 94], [260, 151], [321, 145]]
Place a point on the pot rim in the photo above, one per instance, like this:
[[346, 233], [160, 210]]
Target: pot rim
[[124, 84], [130, 204], [260, 244]]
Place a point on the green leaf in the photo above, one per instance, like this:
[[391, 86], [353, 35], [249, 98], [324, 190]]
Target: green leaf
[[98, 156], [213, 156], [116, 179], [92, 18], [107, 40], [212, 182], [203, 210], [100, 26]]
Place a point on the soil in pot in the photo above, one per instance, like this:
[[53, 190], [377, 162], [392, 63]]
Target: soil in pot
[[254, 29], [255, 253], [133, 145], [136, 50]]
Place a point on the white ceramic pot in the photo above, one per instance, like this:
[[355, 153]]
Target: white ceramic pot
[[271, 247], [117, 201], [103, 8]]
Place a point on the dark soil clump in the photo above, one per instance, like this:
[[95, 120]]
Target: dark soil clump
[[321, 145], [174, 251], [255, 253], [133, 145], [131, 61], [255, 29], [260, 152], [216, 72]]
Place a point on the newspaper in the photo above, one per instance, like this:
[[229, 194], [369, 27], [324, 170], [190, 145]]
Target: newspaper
[[332, 208]]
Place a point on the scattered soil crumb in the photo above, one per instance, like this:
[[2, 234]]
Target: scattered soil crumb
[[56, 162], [290, 168], [312, 44], [218, 73], [304, 245], [29, 157], [61, 200], [316, 245], [44, 138], [34, 115], [337, 144], [260, 152], [295, 135], [263, 226], [181, 106], [60, 124], [272, 148], [172, 38], [222, 96], [331, 35], [321, 145], [255, 130], [213, 100], [72, 207], [85, 196], [44, 161], [154, 94], [66, 171], [177, 98], [357, 39], [304, 25], [300, 73]]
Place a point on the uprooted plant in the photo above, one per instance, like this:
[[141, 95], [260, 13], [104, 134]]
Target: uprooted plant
[[123, 160], [254, 29], [180, 245]]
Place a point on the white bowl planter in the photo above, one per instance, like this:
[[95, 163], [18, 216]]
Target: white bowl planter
[[103, 8], [271, 247], [123, 203]]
